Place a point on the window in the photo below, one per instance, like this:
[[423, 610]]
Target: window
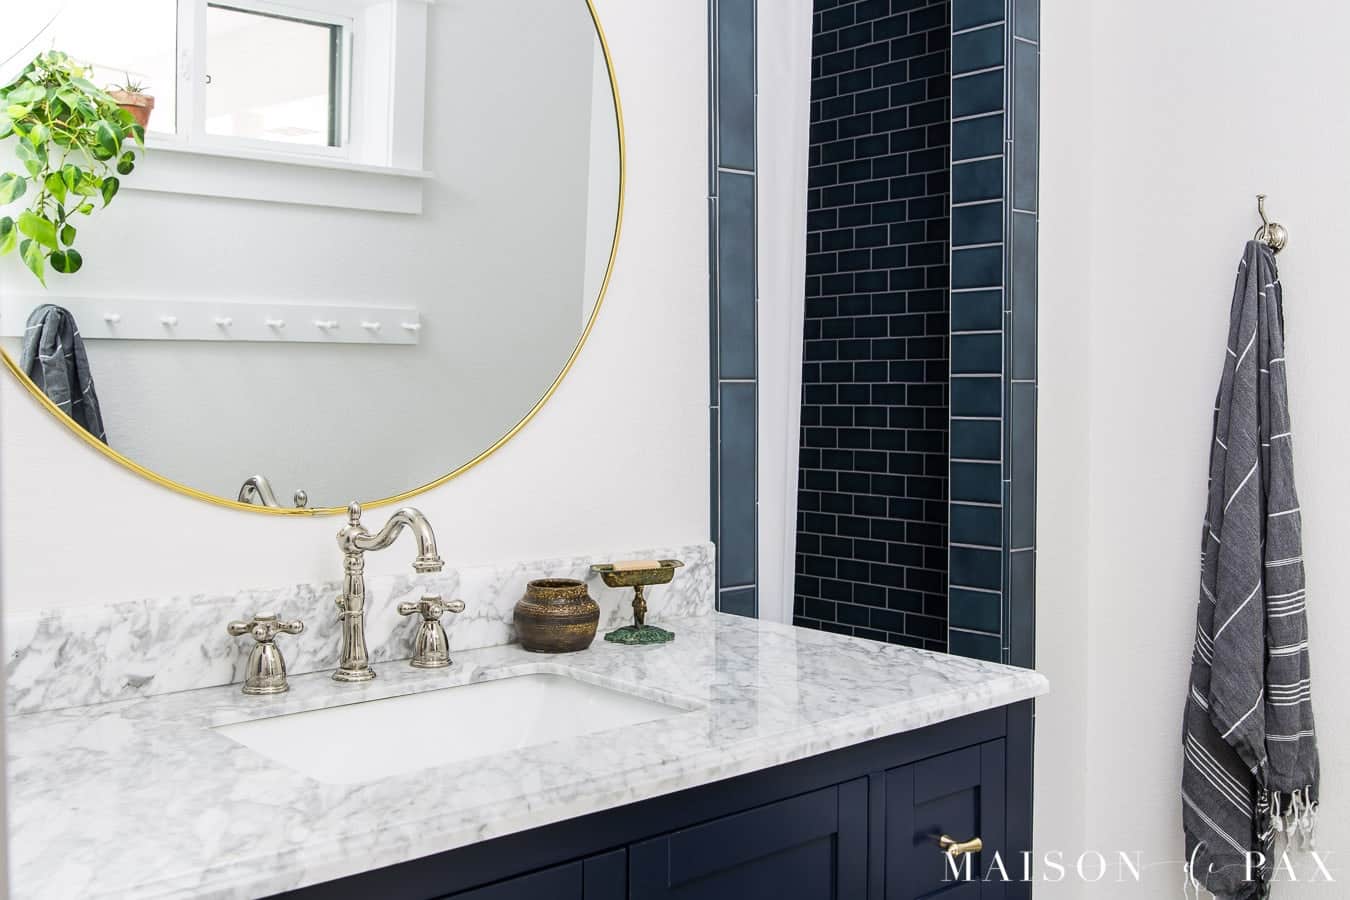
[[271, 77], [131, 40], [263, 79]]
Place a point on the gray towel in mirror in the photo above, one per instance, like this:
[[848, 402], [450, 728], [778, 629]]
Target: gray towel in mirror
[[53, 356]]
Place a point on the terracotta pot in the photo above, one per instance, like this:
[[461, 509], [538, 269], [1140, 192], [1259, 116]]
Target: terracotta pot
[[139, 105], [556, 615]]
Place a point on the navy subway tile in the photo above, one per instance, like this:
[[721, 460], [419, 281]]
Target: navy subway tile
[[1023, 296], [980, 180], [739, 602], [972, 439], [977, 50], [972, 138], [977, 311], [977, 354], [982, 525], [976, 610], [1021, 609], [980, 267], [736, 83], [975, 645], [980, 224], [973, 13], [1026, 124], [1027, 19], [736, 464], [973, 95], [1022, 433], [976, 482], [976, 567], [977, 397], [736, 274]]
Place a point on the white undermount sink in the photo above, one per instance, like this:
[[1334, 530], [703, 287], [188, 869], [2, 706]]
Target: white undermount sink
[[374, 739]]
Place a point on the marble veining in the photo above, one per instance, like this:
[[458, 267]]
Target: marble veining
[[161, 805], [95, 654]]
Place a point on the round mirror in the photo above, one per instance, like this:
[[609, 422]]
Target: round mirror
[[291, 255]]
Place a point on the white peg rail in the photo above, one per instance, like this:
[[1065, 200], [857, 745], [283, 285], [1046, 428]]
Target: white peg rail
[[201, 320]]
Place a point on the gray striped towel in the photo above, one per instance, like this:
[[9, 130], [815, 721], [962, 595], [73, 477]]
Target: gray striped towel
[[53, 356], [1250, 768]]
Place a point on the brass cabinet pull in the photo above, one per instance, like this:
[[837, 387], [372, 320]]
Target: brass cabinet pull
[[956, 848]]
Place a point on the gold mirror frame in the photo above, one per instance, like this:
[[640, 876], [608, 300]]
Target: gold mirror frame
[[181, 488]]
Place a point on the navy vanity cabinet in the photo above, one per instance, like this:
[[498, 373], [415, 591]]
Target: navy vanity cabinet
[[961, 795], [560, 882], [811, 847], [602, 877]]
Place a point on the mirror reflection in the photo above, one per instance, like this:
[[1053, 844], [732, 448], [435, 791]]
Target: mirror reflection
[[304, 253]]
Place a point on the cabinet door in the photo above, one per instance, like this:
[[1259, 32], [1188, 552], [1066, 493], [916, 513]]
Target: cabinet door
[[562, 882], [600, 877], [962, 795], [808, 847]]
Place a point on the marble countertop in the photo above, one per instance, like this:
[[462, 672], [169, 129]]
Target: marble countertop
[[142, 798]]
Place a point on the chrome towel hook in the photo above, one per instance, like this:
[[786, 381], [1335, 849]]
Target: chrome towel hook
[[1273, 234]]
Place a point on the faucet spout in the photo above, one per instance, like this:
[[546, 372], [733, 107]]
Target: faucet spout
[[428, 560], [354, 541]]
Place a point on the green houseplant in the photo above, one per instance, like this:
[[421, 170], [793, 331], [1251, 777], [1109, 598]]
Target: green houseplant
[[72, 141]]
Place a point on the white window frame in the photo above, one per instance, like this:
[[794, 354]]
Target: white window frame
[[378, 163], [194, 65]]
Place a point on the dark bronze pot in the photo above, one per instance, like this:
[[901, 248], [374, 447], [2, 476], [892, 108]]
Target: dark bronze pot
[[556, 615]]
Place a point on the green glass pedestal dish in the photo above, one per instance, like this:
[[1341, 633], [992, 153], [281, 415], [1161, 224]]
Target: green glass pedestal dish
[[639, 580], [640, 634]]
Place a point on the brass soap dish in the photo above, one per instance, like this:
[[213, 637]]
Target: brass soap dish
[[638, 576]]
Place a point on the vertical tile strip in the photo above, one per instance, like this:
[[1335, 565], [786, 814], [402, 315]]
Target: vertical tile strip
[[733, 302], [995, 187]]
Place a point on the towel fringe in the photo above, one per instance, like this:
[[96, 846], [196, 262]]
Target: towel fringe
[[1292, 815]]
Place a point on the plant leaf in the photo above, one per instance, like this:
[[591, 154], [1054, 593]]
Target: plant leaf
[[28, 93], [34, 159], [57, 186], [38, 135], [85, 209], [109, 141], [86, 184], [6, 126], [67, 262], [110, 187], [16, 111], [90, 88], [12, 187], [67, 234], [32, 257], [126, 163], [9, 235], [38, 228]]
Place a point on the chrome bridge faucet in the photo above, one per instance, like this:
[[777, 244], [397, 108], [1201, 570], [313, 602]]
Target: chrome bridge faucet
[[354, 540]]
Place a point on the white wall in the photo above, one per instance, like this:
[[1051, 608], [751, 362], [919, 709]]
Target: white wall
[[783, 119], [617, 459], [1161, 120], [508, 141]]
